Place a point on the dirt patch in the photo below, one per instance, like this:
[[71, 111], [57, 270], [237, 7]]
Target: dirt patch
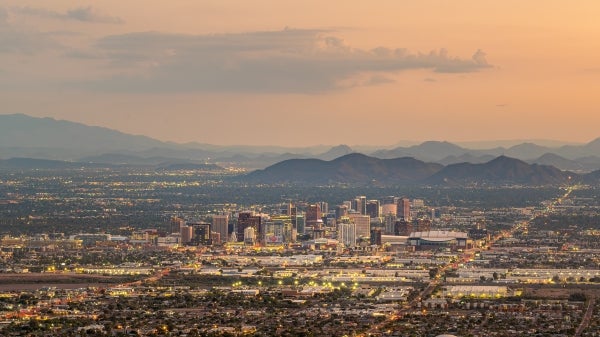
[[52, 278], [558, 293]]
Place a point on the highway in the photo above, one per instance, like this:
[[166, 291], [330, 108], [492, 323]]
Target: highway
[[467, 256], [587, 317]]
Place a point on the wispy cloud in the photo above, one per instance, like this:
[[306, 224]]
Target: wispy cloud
[[15, 40], [379, 79], [82, 14], [286, 61]]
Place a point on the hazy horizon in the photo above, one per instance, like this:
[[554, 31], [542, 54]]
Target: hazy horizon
[[307, 74], [473, 144]]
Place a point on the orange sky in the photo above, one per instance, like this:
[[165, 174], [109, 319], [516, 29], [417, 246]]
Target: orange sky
[[307, 72]]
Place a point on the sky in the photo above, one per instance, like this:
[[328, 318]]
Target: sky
[[300, 73]]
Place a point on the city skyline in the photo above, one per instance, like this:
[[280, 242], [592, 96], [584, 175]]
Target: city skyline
[[301, 74]]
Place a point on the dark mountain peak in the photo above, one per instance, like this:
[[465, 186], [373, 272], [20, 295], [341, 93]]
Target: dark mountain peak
[[427, 151], [435, 142], [353, 168], [505, 160], [354, 156], [341, 147], [550, 156], [525, 145], [595, 141], [466, 158], [552, 159], [526, 151], [501, 170], [594, 146], [438, 145], [335, 152]]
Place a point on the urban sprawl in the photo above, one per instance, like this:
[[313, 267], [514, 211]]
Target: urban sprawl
[[136, 253]]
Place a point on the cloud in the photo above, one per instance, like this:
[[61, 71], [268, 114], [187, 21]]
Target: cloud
[[378, 79], [82, 14], [285, 61], [15, 40]]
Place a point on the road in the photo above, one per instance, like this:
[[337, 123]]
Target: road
[[587, 317], [467, 256], [150, 279]]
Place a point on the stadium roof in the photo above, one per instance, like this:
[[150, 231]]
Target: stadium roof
[[438, 235]]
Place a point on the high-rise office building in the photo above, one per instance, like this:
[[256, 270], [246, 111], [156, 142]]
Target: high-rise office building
[[300, 224], [403, 228], [347, 233], [274, 231], [387, 209], [340, 211], [376, 237], [389, 221], [373, 208], [176, 224], [359, 204], [220, 224], [313, 218], [324, 207], [390, 200], [200, 234], [318, 231], [294, 217], [363, 224], [313, 213], [389, 205], [403, 210], [249, 236], [186, 233], [348, 204], [278, 230], [248, 220]]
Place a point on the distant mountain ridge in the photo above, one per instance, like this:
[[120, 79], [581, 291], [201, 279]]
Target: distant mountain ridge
[[23, 131], [47, 138], [358, 169], [501, 170], [562, 163], [355, 168]]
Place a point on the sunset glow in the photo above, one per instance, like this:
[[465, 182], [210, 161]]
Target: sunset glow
[[309, 72]]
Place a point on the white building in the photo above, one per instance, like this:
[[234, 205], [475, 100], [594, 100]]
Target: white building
[[347, 234]]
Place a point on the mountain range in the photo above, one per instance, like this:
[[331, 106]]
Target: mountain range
[[351, 169], [46, 138], [359, 169]]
